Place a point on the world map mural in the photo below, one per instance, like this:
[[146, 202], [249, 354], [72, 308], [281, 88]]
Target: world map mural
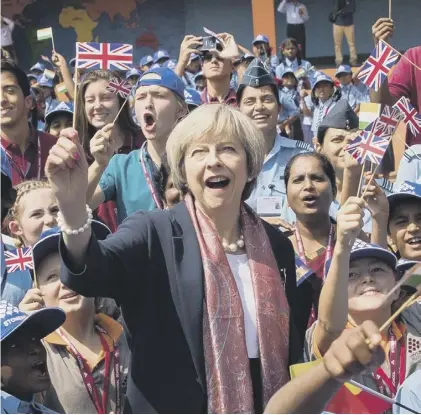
[[146, 24]]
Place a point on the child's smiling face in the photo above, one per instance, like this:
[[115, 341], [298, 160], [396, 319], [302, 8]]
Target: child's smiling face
[[289, 81], [23, 366]]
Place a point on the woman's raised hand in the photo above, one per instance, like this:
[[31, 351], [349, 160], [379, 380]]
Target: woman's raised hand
[[102, 145], [350, 221], [67, 171], [32, 300]]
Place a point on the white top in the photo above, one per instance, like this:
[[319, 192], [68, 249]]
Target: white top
[[6, 32], [241, 271], [291, 9]]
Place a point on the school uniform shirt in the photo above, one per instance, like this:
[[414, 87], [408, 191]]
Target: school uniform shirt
[[270, 181], [410, 166], [407, 330], [288, 101], [12, 405], [352, 95], [307, 119], [68, 393], [319, 113], [292, 12], [293, 66], [409, 394], [124, 182], [27, 166]]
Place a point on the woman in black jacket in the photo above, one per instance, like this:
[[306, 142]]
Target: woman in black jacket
[[207, 290]]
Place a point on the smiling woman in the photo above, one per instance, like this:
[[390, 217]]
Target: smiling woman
[[212, 260]]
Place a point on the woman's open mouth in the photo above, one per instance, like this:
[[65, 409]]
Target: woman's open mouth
[[217, 182]]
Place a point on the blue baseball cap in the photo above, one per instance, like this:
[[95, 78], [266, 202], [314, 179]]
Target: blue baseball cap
[[133, 72], [6, 169], [192, 97], [42, 80], [146, 60], [58, 107], [170, 64], [404, 265], [38, 67], [160, 54], [49, 242], [261, 39], [362, 249], [72, 62], [406, 190], [288, 71], [343, 69], [32, 76], [163, 77], [38, 323], [198, 75], [320, 78]]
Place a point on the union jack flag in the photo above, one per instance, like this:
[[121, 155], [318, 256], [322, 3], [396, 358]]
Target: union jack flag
[[121, 88], [378, 65], [367, 146], [19, 259], [107, 56], [386, 124], [410, 115]]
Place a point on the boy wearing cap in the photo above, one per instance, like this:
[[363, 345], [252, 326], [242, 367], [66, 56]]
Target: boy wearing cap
[[348, 90], [263, 50], [58, 117], [23, 357], [192, 98], [160, 57], [404, 224], [129, 179], [38, 69], [258, 98], [26, 148], [189, 61], [146, 63]]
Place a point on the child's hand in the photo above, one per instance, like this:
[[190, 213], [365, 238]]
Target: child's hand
[[375, 197], [32, 300]]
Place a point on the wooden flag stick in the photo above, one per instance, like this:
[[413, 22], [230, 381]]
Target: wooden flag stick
[[121, 109], [369, 182], [361, 179], [52, 40], [403, 56], [390, 9]]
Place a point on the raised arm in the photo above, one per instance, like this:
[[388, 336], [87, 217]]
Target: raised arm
[[187, 47], [59, 61], [282, 8], [333, 303]]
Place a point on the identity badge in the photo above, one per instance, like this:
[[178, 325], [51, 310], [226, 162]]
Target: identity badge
[[269, 205]]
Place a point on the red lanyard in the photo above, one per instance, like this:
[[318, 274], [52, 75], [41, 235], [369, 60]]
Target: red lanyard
[[327, 110], [151, 186], [329, 248], [88, 378], [16, 167], [389, 386]]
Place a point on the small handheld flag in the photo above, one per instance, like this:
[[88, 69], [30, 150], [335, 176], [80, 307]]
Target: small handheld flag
[[43, 34], [410, 115], [385, 125], [377, 66], [49, 74], [107, 56], [367, 146], [121, 88], [19, 259]]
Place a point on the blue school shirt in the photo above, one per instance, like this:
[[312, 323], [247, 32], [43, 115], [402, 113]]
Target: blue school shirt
[[273, 170], [352, 95], [323, 108], [293, 65], [287, 98], [124, 182], [410, 166], [12, 405], [409, 394]]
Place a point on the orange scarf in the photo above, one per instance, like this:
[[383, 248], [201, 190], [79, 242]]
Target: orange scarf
[[228, 378]]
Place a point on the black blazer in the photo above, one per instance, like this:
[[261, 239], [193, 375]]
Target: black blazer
[[152, 267]]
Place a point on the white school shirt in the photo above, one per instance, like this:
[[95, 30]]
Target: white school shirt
[[6, 32], [241, 271], [292, 11], [320, 112]]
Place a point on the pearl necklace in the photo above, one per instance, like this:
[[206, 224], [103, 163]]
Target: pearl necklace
[[234, 246]]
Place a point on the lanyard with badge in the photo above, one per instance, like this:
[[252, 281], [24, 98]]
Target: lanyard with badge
[[146, 172], [88, 378], [329, 248], [17, 168], [389, 386]]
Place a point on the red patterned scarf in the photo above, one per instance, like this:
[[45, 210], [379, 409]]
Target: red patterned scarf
[[228, 378]]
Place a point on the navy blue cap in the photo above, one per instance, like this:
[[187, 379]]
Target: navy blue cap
[[6, 169], [146, 60], [406, 190], [160, 54], [362, 249], [133, 72], [320, 78], [38, 67], [42, 80], [170, 64], [49, 242], [261, 39], [32, 76], [198, 75], [163, 77], [55, 108], [288, 71], [39, 323], [404, 265], [343, 69], [192, 97]]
